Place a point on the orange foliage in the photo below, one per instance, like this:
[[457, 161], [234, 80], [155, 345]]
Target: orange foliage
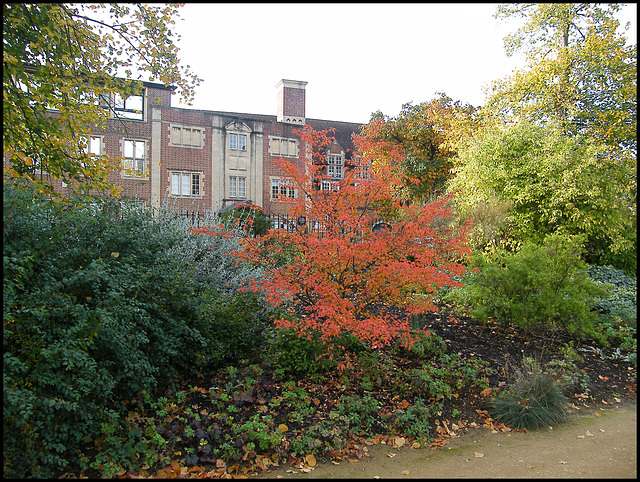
[[343, 276]]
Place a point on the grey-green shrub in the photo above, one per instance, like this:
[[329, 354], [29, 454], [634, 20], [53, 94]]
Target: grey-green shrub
[[623, 299], [533, 401]]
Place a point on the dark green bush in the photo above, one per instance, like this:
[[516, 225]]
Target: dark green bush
[[236, 327], [538, 288], [99, 304]]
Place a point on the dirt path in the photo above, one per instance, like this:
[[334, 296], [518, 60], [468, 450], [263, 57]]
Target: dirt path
[[597, 444]]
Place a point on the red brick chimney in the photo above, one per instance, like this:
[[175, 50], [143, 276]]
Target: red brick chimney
[[291, 102]]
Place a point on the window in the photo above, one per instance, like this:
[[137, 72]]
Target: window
[[335, 164], [185, 184], [280, 190], [134, 158], [186, 136], [284, 147], [238, 142], [238, 187], [93, 145], [127, 108], [330, 186]]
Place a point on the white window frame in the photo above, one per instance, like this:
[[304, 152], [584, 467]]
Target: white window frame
[[94, 145], [134, 166], [280, 191], [335, 166], [182, 139], [189, 184], [277, 143], [131, 107], [329, 185], [238, 142], [238, 187]]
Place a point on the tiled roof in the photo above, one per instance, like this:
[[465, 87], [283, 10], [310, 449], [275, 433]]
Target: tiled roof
[[342, 133]]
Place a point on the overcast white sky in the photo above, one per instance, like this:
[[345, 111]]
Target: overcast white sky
[[356, 58]]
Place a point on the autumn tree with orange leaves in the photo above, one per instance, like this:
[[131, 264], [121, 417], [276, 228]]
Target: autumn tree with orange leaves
[[342, 276]]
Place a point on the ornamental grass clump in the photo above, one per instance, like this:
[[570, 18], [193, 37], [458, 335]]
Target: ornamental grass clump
[[534, 401]]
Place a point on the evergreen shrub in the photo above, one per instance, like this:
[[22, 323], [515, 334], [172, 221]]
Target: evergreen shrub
[[100, 303], [540, 287]]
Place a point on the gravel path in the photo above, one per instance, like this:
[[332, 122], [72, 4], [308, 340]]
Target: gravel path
[[599, 443]]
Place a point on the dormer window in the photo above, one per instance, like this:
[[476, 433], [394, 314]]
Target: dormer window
[[335, 166]]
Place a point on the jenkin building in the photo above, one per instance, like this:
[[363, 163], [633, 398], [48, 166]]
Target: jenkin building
[[200, 160]]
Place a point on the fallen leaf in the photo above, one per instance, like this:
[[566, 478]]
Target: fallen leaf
[[283, 428], [405, 472], [562, 462], [486, 392], [399, 441], [311, 460], [335, 463], [589, 434], [478, 455], [390, 455], [580, 436]]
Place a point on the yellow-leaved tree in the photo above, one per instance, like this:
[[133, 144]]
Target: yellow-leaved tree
[[59, 61]]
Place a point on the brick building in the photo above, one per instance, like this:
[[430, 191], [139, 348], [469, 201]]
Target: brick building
[[201, 160]]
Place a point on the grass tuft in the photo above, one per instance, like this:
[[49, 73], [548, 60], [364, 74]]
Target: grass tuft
[[534, 401]]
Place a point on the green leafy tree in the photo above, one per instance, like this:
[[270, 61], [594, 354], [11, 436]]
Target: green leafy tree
[[64, 58], [419, 142], [550, 183], [581, 71]]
